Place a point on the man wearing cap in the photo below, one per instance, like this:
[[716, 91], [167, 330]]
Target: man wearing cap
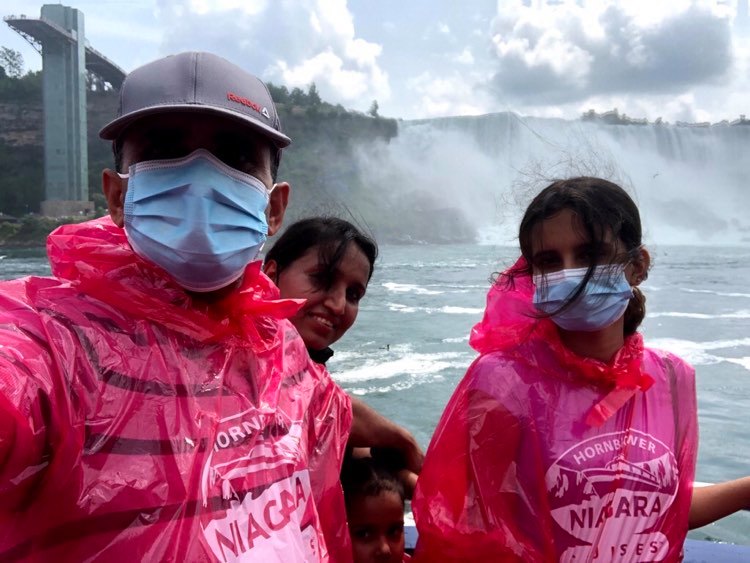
[[155, 402]]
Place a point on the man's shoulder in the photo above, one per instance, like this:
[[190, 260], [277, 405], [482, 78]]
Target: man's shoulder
[[38, 297], [18, 296]]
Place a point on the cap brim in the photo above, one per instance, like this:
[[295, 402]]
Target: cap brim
[[115, 128]]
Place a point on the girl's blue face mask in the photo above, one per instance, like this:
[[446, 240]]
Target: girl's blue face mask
[[197, 218], [603, 301]]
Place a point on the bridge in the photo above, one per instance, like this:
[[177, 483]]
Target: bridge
[[41, 30], [59, 36]]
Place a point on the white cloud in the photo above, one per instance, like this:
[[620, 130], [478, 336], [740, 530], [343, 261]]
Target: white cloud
[[205, 7], [289, 42], [464, 57], [681, 59], [570, 52], [98, 26], [350, 85], [445, 95]]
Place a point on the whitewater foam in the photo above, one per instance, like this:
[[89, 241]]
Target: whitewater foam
[[409, 288], [742, 314], [446, 309], [399, 386], [698, 353], [456, 340], [712, 292], [411, 364]]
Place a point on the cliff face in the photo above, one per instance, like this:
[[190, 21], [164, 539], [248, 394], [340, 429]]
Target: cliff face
[[21, 156], [101, 109], [323, 165], [21, 124], [22, 149]]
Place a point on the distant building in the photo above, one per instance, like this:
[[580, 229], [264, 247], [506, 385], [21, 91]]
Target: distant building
[[613, 117]]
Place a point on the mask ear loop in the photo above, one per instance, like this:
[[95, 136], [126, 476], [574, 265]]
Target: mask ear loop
[[263, 244]]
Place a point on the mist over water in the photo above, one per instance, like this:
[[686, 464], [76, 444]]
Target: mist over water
[[690, 183]]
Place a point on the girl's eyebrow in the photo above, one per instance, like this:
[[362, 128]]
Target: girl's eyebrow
[[543, 254], [605, 248]]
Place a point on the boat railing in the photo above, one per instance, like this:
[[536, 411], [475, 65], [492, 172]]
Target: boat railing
[[696, 551]]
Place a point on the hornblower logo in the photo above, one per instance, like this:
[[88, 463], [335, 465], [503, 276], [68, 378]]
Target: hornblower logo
[[608, 491], [265, 500]]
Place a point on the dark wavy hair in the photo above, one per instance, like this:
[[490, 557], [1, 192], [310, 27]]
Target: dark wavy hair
[[602, 207], [368, 477], [331, 236]]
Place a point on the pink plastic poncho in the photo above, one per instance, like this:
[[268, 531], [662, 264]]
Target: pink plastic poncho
[[543, 455], [138, 425]]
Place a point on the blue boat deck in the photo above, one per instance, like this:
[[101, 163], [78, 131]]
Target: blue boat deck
[[696, 551]]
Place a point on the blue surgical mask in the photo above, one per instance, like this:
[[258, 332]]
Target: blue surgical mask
[[197, 218], [602, 302]]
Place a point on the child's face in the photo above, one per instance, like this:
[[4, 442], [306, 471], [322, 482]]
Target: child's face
[[376, 526], [329, 311], [560, 243]]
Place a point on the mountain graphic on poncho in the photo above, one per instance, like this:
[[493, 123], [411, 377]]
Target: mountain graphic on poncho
[[568, 486]]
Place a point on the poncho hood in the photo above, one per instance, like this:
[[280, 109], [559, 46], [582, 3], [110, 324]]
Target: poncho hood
[[96, 257]]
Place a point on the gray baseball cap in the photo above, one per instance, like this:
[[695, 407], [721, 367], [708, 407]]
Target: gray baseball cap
[[196, 82]]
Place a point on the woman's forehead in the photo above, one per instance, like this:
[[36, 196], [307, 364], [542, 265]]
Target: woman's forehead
[[353, 259]]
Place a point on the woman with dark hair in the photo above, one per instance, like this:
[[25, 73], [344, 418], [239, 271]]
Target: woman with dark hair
[[568, 440], [328, 262]]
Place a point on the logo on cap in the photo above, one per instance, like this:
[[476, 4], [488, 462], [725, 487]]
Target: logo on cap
[[264, 113], [232, 97]]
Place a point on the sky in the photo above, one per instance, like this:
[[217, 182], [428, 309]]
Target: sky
[[680, 60]]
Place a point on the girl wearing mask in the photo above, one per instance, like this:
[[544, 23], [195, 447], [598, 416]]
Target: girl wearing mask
[[568, 440]]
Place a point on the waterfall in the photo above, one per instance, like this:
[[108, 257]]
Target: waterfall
[[691, 182]]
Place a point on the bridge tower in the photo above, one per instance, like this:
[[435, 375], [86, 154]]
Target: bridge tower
[[59, 36]]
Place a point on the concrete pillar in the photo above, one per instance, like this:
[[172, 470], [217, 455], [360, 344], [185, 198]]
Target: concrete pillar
[[64, 91]]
